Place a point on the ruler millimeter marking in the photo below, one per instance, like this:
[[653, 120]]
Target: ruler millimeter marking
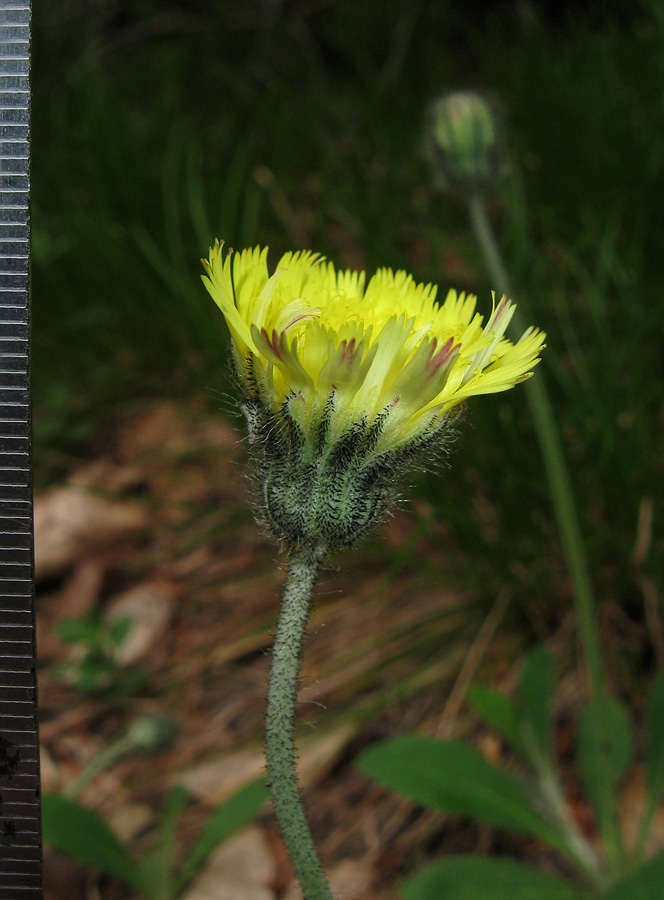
[[20, 830]]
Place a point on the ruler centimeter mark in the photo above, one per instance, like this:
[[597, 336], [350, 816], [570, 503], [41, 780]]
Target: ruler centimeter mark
[[20, 828]]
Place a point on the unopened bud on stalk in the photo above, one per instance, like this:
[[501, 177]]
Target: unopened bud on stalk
[[463, 142], [152, 733]]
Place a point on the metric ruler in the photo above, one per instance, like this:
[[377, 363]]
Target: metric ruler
[[20, 832]]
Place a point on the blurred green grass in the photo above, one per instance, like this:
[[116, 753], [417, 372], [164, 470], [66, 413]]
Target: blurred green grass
[[158, 127]]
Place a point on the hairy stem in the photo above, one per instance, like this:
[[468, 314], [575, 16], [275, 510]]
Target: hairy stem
[[280, 722], [560, 484]]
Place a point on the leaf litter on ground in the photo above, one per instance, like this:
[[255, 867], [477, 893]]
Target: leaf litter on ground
[[381, 657]]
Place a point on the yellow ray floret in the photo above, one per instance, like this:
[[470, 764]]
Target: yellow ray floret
[[309, 333]]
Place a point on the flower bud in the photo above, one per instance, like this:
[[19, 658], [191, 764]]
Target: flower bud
[[463, 142], [152, 733]]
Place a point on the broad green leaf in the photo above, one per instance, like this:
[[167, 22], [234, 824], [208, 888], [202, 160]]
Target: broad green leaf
[[605, 744], [71, 828], [237, 811], [655, 739], [534, 704], [453, 777], [646, 883], [498, 711], [157, 867], [471, 877]]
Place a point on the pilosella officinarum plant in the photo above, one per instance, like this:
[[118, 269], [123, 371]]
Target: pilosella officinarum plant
[[344, 386]]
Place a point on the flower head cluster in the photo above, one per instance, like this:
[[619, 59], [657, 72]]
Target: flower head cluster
[[343, 381]]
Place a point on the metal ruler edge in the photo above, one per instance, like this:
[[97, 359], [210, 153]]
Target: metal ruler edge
[[21, 869]]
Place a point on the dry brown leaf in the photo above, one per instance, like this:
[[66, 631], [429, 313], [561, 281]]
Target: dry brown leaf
[[349, 879], [70, 523], [51, 776], [213, 782], [167, 428], [130, 819], [150, 606], [633, 799], [317, 753], [80, 593], [212, 886], [243, 868]]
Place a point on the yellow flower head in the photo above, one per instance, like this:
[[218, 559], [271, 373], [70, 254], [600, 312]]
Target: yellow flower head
[[313, 337], [344, 383]]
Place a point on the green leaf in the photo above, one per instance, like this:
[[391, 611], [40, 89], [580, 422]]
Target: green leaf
[[498, 711], [119, 629], [157, 867], [605, 744], [129, 682], [71, 828], [643, 884], [471, 877], [534, 705], [450, 776], [75, 631], [237, 811], [655, 739], [93, 675]]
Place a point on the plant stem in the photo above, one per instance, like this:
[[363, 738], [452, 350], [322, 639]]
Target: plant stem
[[280, 722], [102, 761], [557, 810], [560, 485], [580, 850]]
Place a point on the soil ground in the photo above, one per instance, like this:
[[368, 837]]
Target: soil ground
[[159, 527]]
